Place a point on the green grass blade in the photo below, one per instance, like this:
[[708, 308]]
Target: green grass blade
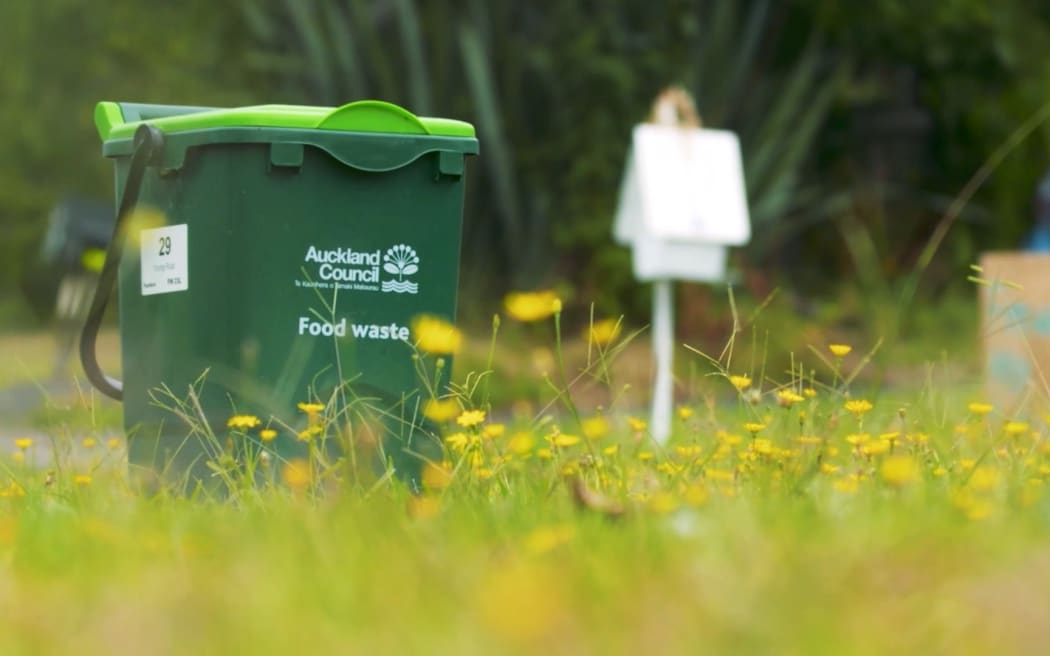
[[498, 154], [412, 46]]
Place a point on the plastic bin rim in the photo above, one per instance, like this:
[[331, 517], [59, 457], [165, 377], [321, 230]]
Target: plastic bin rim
[[116, 121]]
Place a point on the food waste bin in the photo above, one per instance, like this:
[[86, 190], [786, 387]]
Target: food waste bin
[[268, 255]]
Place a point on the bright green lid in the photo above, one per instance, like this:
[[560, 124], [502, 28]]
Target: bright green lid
[[119, 120]]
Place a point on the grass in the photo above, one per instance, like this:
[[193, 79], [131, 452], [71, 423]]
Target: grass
[[786, 515]]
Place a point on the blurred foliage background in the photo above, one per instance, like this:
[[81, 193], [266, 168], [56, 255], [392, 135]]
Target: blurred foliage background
[[859, 121]]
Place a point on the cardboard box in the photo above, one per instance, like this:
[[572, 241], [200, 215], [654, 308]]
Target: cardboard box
[[1015, 330]]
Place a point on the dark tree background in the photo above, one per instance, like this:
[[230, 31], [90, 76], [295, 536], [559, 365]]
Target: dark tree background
[[860, 122]]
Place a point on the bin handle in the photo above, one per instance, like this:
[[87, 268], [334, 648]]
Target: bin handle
[[148, 142]]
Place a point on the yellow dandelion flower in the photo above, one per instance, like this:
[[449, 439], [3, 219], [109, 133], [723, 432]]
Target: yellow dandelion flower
[[840, 350], [892, 437], [729, 439], [940, 471], [645, 455], [899, 470], [689, 451], [876, 448], [754, 427], [113, 443], [809, 392], [267, 434], [243, 422], [636, 425], [828, 468], [972, 506], [544, 454], [457, 441], [307, 434], [605, 332], [532, 306], [857, 439], [595, 427], [978, 408], [441, 411], [611, 450], [967, 463], [809, 439], [762, 446], [82, 480], [88, 442], [740, 382], [670, 468], [423, 507], [492, 431], [24, 443], [984, 478], [789, 397], [311, 409], [858, 406], [685, 412], [435, 335], [470, 418], [564, 440], [435, 476], [1015, 428], [663, 503], [296, 474], [695, 495], [521, 443]]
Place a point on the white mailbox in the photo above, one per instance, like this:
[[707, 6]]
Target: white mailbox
[[682, 202]]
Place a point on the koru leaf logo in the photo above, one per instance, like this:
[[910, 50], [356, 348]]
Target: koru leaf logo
[[400, 260]]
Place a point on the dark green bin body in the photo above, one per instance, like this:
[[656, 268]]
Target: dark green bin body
[[261, 206]]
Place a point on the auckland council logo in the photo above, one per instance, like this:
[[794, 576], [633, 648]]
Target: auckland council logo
[[401, 261]]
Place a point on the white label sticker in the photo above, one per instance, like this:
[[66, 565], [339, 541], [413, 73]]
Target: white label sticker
[[165, 266]]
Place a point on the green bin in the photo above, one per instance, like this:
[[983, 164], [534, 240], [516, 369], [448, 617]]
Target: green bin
[[267, 256]]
